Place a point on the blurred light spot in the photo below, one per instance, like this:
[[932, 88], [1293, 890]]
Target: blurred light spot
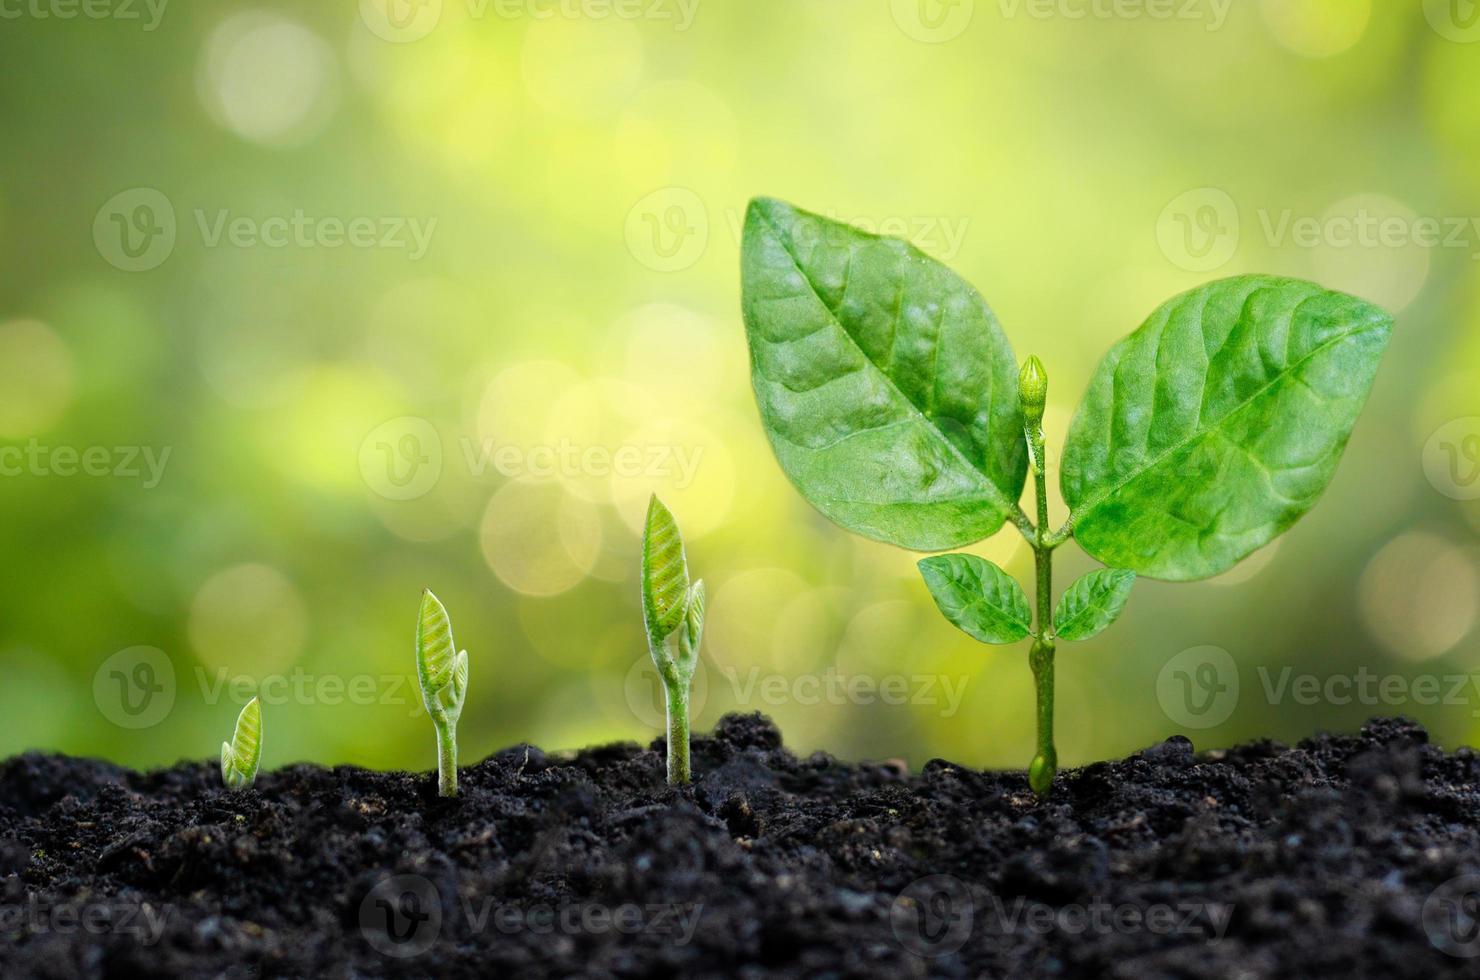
[[582, 69], [1317, 28], [248, 619], [881, 638], [416, 331], [250, 360], [36, 377], [674, 132], [1249, 567], [267, 78], [804, 629], [317, 438], [1419, 596], [670, 348], [567, 632], [683, 461], [585, 432], [516, 407], [1377, 248], [740, 620], [538, 539]]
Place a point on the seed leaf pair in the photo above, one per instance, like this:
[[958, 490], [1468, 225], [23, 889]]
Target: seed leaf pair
[[986, 603]]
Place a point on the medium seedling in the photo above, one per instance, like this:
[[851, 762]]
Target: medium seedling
[[894, 403], [240, 756], [671, 608], [444, 685]]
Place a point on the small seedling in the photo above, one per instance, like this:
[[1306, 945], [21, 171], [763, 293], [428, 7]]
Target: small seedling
[[239, 757], [444, 685], [671, 607], [894, 403]]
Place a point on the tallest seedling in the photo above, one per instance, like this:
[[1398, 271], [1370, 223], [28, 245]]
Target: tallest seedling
[[894, 403]]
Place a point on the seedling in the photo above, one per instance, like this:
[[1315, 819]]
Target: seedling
[[671, 608], [895, 405], [444, 685], [239, 757]]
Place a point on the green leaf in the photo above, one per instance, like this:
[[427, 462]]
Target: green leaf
[[1092, 603], [434, 649], [977, 596], [240, 756], [885, 384], [665, 573], [1216, 425], [694, 618]]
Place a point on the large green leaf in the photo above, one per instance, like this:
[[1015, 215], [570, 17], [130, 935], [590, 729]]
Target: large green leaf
[[978, 597], [885, 384], [1218, 423], [1092, 603]]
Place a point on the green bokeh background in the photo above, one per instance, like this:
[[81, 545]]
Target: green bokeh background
[[587, 170]]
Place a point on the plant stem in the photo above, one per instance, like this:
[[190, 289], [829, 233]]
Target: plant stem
[[446, 761], [678, 734], [1046, 761]]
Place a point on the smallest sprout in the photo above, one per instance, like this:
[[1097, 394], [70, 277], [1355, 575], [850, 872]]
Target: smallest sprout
[[240, 756]]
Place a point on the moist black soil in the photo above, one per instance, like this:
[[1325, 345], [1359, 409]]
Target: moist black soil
[[1344, 856]]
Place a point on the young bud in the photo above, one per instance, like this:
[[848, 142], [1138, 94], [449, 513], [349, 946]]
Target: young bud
[[1033, 390]]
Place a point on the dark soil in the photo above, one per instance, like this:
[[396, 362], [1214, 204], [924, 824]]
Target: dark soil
[[1329, 859]]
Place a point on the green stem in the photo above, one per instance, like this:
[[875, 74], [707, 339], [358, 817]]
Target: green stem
[[1046, 761], [446, 761], [678, 734]]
